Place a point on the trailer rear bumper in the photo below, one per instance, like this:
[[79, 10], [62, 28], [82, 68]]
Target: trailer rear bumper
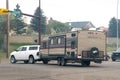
[[96, 60], [79, 60]]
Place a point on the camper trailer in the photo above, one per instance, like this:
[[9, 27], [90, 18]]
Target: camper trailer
[[74, 47]]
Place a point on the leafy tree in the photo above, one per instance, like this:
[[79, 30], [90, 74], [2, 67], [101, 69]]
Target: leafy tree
[[2, 23], [58, 26], [113, 27], [1, 40], [48, 29], [17, 25], [35, 22], [2, 29]]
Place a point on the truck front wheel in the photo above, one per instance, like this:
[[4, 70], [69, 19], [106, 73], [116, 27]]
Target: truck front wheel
[[12, 60]]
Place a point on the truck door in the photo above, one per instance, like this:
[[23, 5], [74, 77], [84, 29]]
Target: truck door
[[22, 53]]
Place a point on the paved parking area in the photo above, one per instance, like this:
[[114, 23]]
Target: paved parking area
[[108, 70]]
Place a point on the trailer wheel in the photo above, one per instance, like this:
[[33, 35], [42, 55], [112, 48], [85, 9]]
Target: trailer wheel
[[63, 62], [45, 61], [113, 60], [59, 61], [26, 62], [85, 63]]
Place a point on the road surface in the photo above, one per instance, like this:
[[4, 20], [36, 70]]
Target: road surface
[[108, 70]]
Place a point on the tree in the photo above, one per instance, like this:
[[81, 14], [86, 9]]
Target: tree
[[2, 24], [35, 22], [2, 30], [17, 25], [58, 26], [113, 27], [1, 40]]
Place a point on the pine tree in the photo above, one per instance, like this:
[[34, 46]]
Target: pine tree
[[113, 27], [35, 22]]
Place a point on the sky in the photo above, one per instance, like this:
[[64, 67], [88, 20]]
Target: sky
[[99, 12]]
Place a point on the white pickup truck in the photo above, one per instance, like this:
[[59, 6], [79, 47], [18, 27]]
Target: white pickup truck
[[27, 53]]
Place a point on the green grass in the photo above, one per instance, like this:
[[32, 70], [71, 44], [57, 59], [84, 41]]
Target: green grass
[[2, 54], [12, 47], [111, 47]]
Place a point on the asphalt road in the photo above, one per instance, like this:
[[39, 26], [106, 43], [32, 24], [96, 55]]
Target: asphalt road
[[108, 70]]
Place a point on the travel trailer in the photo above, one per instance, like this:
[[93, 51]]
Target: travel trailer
[[74, 47]]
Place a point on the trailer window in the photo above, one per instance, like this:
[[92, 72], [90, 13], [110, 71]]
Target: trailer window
[[51, 41], [68, 54], [54, 41], [44, 45], [59, 40], [62, 40], [72, 54], [73, 45], [73, 34]]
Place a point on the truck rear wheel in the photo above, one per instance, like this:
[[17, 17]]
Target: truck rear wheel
[[31, 60]]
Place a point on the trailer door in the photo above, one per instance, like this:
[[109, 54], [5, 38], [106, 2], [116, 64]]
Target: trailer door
[[57, 45]]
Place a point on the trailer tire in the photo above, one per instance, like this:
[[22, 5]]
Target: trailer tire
[[26, 62], [94, 51], [113, 59], [63, 62], [59, 61], [85, 63], [45, 61]]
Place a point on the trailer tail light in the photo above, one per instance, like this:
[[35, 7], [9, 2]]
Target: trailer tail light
[[79, 56], [103, 56]]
